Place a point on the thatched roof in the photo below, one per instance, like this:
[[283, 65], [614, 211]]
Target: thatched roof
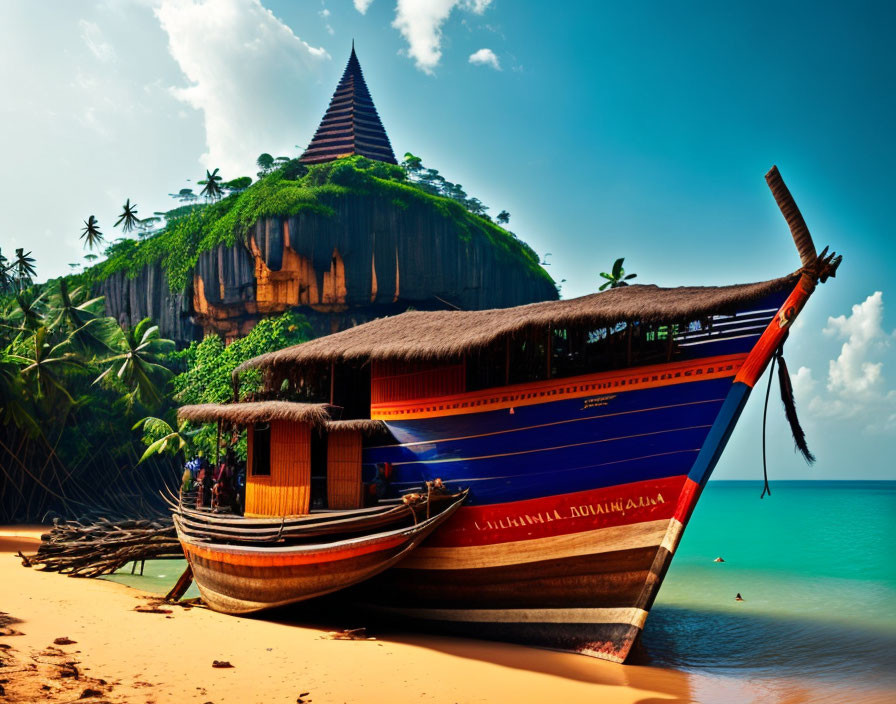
[[256, 412], [445, 334], [360, 425]]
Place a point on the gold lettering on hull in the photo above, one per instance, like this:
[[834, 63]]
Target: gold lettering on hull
[[620, 506], [597, 401]]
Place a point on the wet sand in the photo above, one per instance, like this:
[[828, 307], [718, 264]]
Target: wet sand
[[131, 656]]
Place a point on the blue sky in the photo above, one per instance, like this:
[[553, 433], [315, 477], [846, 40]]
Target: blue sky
[[640, 130]]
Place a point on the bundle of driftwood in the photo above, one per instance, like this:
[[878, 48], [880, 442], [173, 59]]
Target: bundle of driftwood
[[94, 548]]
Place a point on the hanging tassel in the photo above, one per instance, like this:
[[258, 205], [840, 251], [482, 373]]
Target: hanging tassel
[[766, 489], [799, 436]]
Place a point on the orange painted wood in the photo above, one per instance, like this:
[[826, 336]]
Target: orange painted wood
[[402, 381], [585, 386], [344, 470], [287, 491], [303, 557], [761, 354]]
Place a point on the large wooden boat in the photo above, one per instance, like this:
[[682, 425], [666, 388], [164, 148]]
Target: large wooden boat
[[585, 430]]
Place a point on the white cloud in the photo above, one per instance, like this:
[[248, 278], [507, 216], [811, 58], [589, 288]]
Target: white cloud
[[93, 38], [853, 373], [244, 67], [478, 6], [485, 57], [803, 383], [856, 387], [362, 5], [420, 23]]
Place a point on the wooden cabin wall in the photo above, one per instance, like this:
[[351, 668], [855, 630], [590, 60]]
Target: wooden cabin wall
[[287, 491], [344, 490], [403, 381]]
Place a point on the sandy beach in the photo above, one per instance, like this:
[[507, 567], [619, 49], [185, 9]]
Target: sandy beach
[[120, 654]]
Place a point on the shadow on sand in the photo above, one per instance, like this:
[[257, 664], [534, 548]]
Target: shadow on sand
[[334, 614], [677, 645]]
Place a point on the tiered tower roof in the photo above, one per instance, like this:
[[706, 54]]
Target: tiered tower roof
[[351, 124]]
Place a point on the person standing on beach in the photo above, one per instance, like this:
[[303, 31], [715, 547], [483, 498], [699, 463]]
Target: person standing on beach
[[204, 481]]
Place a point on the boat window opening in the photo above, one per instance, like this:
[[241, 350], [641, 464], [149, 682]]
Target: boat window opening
[[318, 470], [487, 367], [352, 390], [653, 343], [304, 383], [528, 357], [532, 355], [576, 351], [261, 450]]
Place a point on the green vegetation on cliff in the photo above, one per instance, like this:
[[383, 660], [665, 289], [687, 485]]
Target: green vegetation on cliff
[[288, 191]]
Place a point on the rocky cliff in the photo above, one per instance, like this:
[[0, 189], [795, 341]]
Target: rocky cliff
[[361, 252]]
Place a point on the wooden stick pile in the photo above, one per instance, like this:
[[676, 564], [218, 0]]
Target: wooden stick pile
[[91, 549]]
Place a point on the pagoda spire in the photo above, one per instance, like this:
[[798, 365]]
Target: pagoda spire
[[351, 124]]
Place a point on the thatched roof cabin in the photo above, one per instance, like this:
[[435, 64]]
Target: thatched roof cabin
[[434, 335]]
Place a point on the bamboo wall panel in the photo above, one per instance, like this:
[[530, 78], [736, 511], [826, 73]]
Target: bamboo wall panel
[[344, 470], [405, 381], [287, 491]]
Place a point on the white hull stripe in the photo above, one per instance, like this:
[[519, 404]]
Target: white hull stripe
[[673, 535], [630, 616], [717, 339], [663, 533]]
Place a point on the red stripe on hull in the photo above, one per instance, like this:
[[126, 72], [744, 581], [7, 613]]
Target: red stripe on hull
[[690, 492], [563, 514]]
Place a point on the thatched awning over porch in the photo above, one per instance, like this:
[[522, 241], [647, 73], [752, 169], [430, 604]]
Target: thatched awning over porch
[[317, 414]]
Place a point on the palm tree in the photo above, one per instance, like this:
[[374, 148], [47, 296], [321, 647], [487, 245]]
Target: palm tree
[[24, 267], [79, 316], [212, 189], [91, 233], [616, 277], [137, 365], [28, 313], [162, 437], [6, 280], [14, 408], [47, 365], [128, 218]]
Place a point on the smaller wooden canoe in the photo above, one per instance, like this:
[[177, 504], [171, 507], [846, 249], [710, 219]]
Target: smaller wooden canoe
[[210, 527], [239, 577]]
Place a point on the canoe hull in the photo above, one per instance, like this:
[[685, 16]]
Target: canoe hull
[[232, 584], [241, 579]]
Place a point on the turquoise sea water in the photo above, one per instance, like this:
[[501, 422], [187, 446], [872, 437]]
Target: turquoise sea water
[[816, 565]]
